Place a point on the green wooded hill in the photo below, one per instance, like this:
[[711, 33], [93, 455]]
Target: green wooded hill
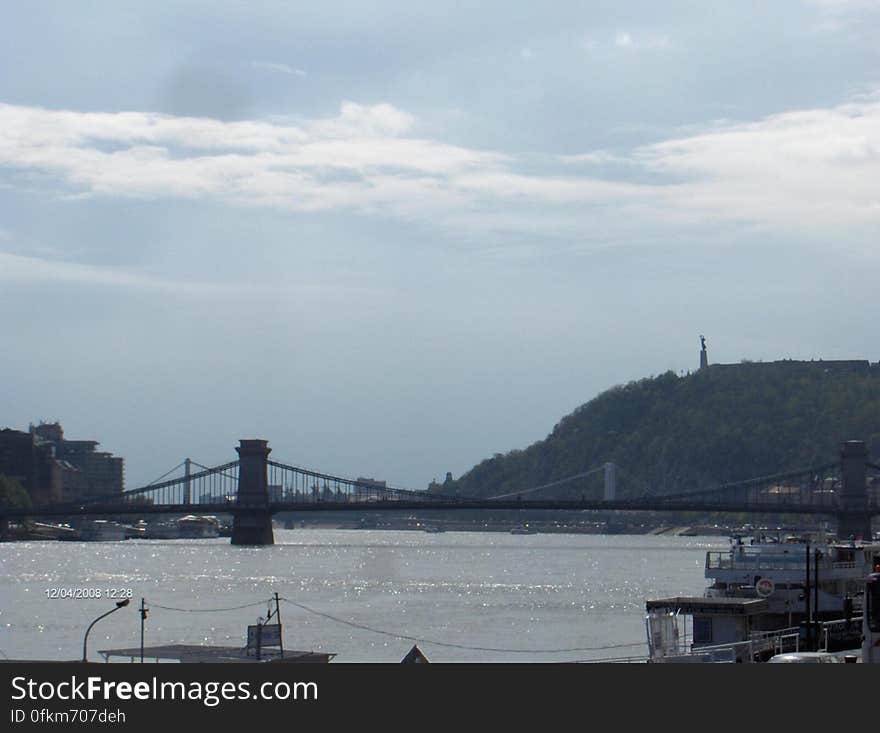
[[671, 433]]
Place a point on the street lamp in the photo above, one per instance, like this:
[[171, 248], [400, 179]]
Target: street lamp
[[119, 604]]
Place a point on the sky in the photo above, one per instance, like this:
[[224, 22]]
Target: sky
[[395, 238]]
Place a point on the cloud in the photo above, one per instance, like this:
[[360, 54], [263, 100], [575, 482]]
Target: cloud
[[281, 68], [795, 171], [798, 172], [838, 15], [594, 157], [360, 159], [624, 39], [29, 269], [844, 6], [22, 268], [364, 120]]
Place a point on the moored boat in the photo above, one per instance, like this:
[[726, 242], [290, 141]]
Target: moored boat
[[198, 527], [188, 527], [523, 529], [766, 597], [97, 530]]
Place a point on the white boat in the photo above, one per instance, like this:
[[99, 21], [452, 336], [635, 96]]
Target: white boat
[[100, 530], [523, 529], [761, 593], [198, 527], [138, 530], [777, 571], [163, 531], [188, 527]]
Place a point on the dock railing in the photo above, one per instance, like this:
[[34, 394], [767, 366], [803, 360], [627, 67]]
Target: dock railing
[[759, 646], [778, 641], [828, 630]]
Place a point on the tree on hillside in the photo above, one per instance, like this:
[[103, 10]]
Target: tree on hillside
[[12, 494], [670, 434]]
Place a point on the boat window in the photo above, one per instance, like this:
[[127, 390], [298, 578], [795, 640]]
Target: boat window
[[702, 630]]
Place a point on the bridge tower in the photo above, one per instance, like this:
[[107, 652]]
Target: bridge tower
[[251, 519], [610, 493], [187, 482], [854, 519]]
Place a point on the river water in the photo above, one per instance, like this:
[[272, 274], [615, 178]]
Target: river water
[[465, 596]]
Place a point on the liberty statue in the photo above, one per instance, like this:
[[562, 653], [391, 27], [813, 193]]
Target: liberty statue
[[704, 357]]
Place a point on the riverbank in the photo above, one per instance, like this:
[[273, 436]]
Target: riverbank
[[530, 523]]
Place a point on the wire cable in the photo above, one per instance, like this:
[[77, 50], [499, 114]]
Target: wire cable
[[363, 627], [209, 610], [417, 639]]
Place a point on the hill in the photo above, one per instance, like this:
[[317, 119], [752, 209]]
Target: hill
[[675, 433]]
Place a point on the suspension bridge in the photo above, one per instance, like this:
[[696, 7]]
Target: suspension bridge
[[254, 487]]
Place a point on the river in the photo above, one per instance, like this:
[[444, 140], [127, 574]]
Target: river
[[465, 596]]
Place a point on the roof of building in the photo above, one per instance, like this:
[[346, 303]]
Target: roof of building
[[198, 653], [698, 605], [415, 656]]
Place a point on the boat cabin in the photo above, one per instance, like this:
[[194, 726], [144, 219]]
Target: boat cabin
[[696, 628]]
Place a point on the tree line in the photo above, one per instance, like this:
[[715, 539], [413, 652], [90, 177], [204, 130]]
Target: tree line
[[670, 433]]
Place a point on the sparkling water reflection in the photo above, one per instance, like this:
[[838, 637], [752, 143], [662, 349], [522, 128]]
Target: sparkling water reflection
[[465, 589]]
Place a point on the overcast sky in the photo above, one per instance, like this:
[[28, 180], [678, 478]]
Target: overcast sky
[[395, 238]]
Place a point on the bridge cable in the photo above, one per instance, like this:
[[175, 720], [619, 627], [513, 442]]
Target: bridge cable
[[752, 483], [455, 646], [157, 480], [547, 486], [207, 468]]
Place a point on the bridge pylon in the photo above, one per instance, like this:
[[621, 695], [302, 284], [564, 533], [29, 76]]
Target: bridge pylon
[[854, 518], [610, 489], [251, 519]]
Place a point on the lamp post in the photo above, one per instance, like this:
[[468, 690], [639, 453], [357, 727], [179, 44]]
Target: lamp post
[[119, 604]]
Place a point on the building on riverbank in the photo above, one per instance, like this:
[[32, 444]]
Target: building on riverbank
[[31, 461], [85, 471], [52, 469]]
